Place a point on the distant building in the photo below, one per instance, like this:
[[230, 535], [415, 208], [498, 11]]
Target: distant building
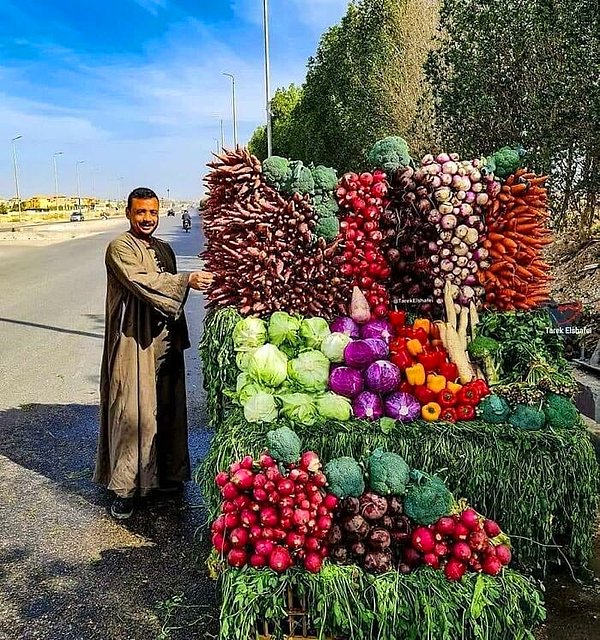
[[57, 203]]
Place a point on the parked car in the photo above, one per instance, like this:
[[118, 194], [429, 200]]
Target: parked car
[[77, 216]]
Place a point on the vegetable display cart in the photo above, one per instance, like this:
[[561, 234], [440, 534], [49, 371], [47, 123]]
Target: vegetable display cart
[[386, 396]]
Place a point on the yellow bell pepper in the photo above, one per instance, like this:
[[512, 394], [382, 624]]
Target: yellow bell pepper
[[431, 411], [453, 386], [416, 375], [422, 323], [436, 383], [414, 347]]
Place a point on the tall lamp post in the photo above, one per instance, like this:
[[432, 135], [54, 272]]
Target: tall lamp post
[[234, 108], [15, 166], [120, 189], [58, 153], [222, 135], [78, 189], [267, 77]]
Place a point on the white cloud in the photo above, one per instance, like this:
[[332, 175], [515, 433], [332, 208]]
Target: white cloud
[[315, 14], [152, 6]]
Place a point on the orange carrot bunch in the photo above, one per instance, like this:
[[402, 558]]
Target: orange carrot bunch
[[517, 223]]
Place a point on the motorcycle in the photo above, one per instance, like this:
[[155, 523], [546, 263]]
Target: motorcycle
[[187, 225]]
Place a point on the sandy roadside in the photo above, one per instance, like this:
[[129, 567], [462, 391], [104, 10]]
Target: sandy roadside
[[42, 235]]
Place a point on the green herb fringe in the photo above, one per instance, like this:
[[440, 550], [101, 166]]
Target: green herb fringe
[[541, 486], [344, 601]]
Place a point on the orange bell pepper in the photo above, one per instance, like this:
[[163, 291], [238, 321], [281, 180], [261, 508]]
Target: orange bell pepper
[[422, 323], [431, 411], [414, 347], [436, 383], [453, 386], [416, 375]]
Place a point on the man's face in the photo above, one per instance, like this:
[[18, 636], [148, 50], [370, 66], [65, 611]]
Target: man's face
[[143, 216]]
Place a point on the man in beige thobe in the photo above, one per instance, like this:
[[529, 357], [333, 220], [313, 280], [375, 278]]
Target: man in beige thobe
[[143, 439]]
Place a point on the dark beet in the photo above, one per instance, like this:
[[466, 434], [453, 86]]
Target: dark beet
[[387, 522], [335, 535], [379, 538], [372, 506], [404, 568], [339, 554], [378, 561], [350, 506], [395, 507], [358, 549], [356, 527]]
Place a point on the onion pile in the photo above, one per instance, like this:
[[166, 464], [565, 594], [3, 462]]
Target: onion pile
[[273, 520], [362, 199]]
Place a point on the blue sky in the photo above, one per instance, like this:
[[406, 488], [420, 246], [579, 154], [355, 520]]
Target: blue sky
[[134, 87]]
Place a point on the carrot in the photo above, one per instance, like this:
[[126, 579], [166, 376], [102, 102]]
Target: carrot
[[495, 237], [518, 189], [503, 197], [509, 181], [536, 181]]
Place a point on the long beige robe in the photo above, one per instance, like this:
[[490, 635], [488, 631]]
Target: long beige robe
[[143, 439]]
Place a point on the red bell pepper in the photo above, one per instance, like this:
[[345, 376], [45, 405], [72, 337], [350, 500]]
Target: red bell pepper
[[449, 370], [428, 360], [446, 398], [469, 395], [465, 412], [482, 387], [448, 415], [421, 335], [402, 359], [397, 319], [406, 387], [424, 395]]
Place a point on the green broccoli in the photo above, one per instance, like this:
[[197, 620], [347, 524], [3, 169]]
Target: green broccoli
[[284, 445], [526, 417], [427, 499], [298, 180], [327, 228], [276, 170], [388, 473], [389, 154], [505, 161], [493, 409], [560, 412], [345, 477], [325, 205], [325, 179], [487, 350]]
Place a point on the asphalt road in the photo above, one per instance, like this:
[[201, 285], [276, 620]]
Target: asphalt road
[[66, 571]]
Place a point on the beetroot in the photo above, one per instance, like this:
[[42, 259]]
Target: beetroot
[[339, 554], [379, 538], [358, 548], [423, 539], [313, 562], [491, 565], [461, 551], [356, 527], [411, 556], [229, 491], [504, 554], [372, 506], [222, 478], [243, 478], [470, 519], [309, 461], [335, 534], [350, 505], [237, 558], [455, 569], [395, 507], [280, 559], [491, 528]]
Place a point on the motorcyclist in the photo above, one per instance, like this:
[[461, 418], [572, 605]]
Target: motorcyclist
[[186, 220]]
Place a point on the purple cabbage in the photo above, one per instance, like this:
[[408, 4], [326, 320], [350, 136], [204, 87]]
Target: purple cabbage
[[346, 382], [368, 405], [383, 376], [402, 406], [359, 354], [347, 326], [380, 347], [380, 329]]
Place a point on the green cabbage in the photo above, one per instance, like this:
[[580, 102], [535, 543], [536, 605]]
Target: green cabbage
[[245, 388], [249, 333], [330, 405], [299, 407], [242, 359], [313, 330], [268, 366], [310, 371], [283, 328], [261, 407], [333, 346]]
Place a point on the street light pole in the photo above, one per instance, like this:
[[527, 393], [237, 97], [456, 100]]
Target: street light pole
[[234, 108], [222, 135], [120, 188], [58, 153], [14, 150], [78, 190], [267, 77]]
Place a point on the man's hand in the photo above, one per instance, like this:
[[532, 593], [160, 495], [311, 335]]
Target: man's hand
[[200, 280]]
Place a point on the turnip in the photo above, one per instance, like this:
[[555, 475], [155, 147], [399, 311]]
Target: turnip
[[461, 551], [280, 559], [237, 558], [455, 569], [491, 565], [423, 539], [313, 562], [504, 554], [239, 537]]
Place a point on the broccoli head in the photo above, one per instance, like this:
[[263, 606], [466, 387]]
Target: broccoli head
[[284, 445], [560, 412], [505, 161], [493, 409], [276, 170], [388, 473], [345, 477], [325, 179], [325, 205], [298, 180], [389, 154], [526, 417], [487, 350], [427, 499], [327, 228]]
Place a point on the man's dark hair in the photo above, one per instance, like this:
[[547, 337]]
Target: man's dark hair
[[141, 193]]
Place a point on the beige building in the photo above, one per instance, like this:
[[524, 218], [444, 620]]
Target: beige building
[[60, 203]]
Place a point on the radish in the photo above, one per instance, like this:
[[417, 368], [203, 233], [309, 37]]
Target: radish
[[331, 501], [260, 479], [247, 462], [312, 544], [461, 551], [218, 526], [478, 540], [301, 517], [241, 502], [274, 497], [304, 504], [455, 570], [309, 461], [235, 466], [322, 510], [286, 512], [243, 478], [286, 487], [260, 495], [470, 519], [263, 547], [302, 528], [303, 477], [287, 501], [231, 520], [222, 478], [294, 474], [312, 488], [324, 523], [491, 565], [441, 549], [269, 517], [504, 554], [279, 534], [269, 486], [265, 461], [286, 523], [267, 533], [273, 474], [492, 528], [248, 518], [294, 540], [256, 533], [316, 499], [313, 562], [474, 562], [445, 526], [460, 531], [324, 551], [229, 491], [300, 496], [280, 559], [423, 540], [239, 537], [257, 561], [219, 543], [320, 479], [432, 560], [237, 558]]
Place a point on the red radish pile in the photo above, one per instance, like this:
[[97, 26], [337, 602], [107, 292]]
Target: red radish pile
[[458, 544], [273, 520], [362, 198]]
